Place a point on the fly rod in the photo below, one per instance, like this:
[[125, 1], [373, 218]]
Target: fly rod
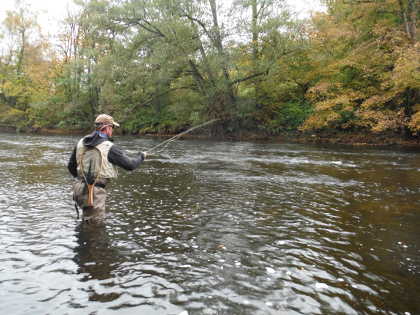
[[165, 143]]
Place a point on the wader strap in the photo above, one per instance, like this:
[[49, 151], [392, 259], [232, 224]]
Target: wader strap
[[77, 210]]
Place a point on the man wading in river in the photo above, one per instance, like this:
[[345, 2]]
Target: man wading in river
[[93, 162]]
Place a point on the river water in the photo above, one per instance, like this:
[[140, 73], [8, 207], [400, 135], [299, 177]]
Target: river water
[[212, 227]]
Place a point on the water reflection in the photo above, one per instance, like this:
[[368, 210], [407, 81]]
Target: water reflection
[[96, 259], [93, 251]]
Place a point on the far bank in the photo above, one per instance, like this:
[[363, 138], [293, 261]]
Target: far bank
[[331, 137]]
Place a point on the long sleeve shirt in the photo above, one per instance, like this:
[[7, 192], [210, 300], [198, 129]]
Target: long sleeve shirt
[[116, 156]]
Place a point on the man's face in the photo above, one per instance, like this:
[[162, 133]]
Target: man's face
[[107, 129], [110, 129]]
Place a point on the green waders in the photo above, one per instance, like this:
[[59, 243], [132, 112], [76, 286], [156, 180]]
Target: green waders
[[93, 213]]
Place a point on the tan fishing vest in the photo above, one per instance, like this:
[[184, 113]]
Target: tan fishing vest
[[108, 170]]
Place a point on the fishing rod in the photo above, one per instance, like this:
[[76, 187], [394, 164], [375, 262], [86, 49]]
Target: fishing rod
[[168, 141]]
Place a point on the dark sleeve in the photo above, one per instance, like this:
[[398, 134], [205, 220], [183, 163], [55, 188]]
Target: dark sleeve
[[118, 157], [72, 165]]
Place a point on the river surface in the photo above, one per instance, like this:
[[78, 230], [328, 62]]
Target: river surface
[[211, 227]]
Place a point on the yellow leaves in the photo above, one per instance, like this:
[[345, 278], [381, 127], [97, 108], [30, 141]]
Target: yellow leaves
[[416, 108], [340, 102], [326, 28], [320, 88], [379, 100], [329, 112], [325, 105], [414, 123], [370, 75], [9, 115], [331, 97], [13, 88], [384, 120], [372, 101], [320, 120], [333, 105], [320, 91], [406, 73]]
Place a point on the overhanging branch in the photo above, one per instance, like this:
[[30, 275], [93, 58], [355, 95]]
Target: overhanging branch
[[252, 76]]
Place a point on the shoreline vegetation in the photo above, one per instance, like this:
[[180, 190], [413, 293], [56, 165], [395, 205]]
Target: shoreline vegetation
[[347, 75], [328, 138]]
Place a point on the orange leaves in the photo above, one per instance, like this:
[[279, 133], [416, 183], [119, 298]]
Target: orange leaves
[[380, 99], [342, 102], [414, 123], [320, 120], [379, 121], [320, 90]]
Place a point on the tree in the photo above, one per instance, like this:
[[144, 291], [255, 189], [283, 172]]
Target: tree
[[25, 63], [365, 49]]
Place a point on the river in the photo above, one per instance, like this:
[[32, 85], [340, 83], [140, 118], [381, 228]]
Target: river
[[213, 227]]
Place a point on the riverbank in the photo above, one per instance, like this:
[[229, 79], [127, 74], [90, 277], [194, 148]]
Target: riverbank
[[353, 139], [340, 138]]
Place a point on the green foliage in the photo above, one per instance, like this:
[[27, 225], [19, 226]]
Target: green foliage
[[73, 120], [10, 116], [147, 120], [287, 117]]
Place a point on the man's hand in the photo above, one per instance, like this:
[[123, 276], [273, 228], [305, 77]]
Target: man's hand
[[144, 155]]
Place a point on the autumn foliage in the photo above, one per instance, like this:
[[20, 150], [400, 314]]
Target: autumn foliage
[[370, 76], [163, 66]]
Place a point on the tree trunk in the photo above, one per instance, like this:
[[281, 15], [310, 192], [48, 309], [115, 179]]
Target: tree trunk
[[19, 66], [254, 30], [409, 17], [198, 78], [217, 40], [412, 12]]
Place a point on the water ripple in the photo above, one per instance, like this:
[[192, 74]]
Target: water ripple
[[213, 228]]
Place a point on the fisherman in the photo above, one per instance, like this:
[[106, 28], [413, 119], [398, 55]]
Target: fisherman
[[93, 162]]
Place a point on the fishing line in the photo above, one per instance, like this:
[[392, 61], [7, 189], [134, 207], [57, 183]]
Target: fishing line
[[165, 143]]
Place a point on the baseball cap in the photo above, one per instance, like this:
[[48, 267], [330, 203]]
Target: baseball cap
[[104, 119]]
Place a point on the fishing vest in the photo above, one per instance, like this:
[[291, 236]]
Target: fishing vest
[[106, 170]]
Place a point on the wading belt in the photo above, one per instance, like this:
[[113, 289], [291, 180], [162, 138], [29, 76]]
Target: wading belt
[[101, 183]]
